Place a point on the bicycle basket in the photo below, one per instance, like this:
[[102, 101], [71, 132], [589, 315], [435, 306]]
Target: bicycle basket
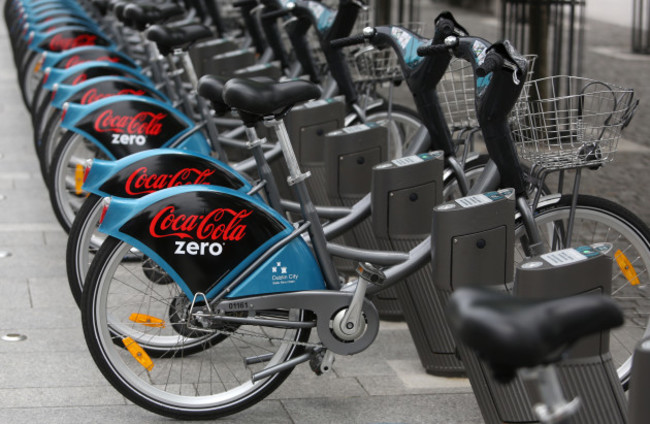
[[564, 122], [363, 20], [369, 65], [456, 93]]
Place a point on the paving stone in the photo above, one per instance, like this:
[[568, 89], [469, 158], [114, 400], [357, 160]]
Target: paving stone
[[266, 412], [14, 293], [41, 397], [60, 339], [48, 369], [429, 409], [51, 293]]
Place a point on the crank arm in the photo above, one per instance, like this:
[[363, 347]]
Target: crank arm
[[324, 303]]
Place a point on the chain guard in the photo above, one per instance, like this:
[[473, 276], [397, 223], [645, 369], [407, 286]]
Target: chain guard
[[324, 304]]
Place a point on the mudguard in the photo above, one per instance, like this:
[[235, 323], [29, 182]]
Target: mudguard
[[147, 172], [100, 88], [85, 71], [121, 126], [67, 38], [32, 19], [77, 55], [204, 237], [51, 23]]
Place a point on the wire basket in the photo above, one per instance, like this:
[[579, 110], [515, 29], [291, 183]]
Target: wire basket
[[374, 66], [364, 19], [456, 93], [565, 122]]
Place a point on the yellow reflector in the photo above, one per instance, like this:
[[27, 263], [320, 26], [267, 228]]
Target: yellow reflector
[[138, 353], [38, 66], [626, 267], [147, 320], [78, 178]]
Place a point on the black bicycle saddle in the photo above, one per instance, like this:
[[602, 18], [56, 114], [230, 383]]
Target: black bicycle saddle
[[141, 16], [264, 98], [211, 88], [170, 38], [510, 332]]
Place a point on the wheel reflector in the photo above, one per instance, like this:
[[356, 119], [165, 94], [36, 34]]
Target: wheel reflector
[[626, 267], [78, 178], [138, 353], [147, 320]]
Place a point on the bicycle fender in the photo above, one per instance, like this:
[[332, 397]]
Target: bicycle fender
[[205, 236], [77, 55], [102, 87], [89, 70], [146, 172], [123, 125], [67, 38]]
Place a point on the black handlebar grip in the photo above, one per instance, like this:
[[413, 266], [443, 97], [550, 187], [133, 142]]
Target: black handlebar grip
[[492, 62], [241, 3], [347, 41], [275, 14], [445, 27], [431, 49]]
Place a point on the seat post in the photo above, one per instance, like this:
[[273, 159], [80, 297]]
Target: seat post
[[553, 408], [213, 132], [297, 179]]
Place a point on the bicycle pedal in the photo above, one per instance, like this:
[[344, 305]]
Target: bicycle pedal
[[321, 362]]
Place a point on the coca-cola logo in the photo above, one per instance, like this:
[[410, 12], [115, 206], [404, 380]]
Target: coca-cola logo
[[59, 42], [221, 224], [143, 123], [76, 60], [141, 182], [93, 94], [79, 79]]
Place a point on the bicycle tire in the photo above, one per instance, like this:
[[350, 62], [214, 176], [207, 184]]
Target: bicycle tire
[[404, 123], [53, 134], [72, 150], [105, 321], [601, 220], [81, 247]]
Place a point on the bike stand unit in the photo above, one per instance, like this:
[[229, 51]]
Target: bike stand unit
[[225, 64], [201, 53], [587, 372], [307, 125], [471, 243], [638, 406], [404, 191]]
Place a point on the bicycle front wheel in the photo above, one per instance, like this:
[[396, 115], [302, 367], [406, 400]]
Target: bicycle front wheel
[[599, 220], [402, 124], [129, 314], [63, 182]]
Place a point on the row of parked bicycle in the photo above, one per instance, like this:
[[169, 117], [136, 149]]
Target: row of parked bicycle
[[204, 155]]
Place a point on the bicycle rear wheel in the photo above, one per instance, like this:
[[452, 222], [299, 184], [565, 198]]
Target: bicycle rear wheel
[[196, 375], [600, 220]]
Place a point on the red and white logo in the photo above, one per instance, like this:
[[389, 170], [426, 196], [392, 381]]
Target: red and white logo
[[59, 42], [140, 182], [93, 95], [76, 60], [203, 234], [130, 129]]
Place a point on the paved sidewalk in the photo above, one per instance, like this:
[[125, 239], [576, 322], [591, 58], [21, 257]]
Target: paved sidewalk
[[50, 377]]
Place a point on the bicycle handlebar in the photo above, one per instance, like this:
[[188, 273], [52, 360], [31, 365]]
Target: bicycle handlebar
[[241, 3], [492, 62], [275, 14], [445, 27], [348, 41], [432, 49]]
